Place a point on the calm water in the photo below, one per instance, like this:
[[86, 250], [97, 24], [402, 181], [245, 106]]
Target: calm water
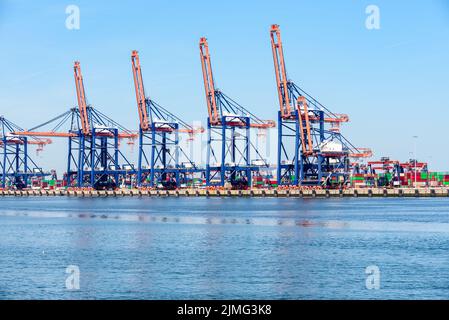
[[197, 248]]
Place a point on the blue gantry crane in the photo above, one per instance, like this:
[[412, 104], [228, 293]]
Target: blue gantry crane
[[311, 149], [16, 165], [94, 159], [229, 143], [162, 161]]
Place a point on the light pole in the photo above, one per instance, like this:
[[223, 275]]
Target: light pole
[[414, 153]]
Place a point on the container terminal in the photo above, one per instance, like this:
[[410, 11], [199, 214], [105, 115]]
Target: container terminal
[[313, 158]]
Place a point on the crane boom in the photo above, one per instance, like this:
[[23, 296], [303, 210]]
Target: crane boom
[[42, 142], [140, 91], [280, 71], [81, 96], [209, 85], [53, 134], [303, 116]]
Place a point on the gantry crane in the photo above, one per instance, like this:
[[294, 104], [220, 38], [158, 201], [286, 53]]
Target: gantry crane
[[16, 165], [319, 153], [395, 168], [228, 130], [161, 158], [94, 159], [377, 171]]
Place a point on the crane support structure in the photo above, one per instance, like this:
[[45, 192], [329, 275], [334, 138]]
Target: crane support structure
[[161, 159], [311, 149], [228, 133], [17, 168], [94, 159]]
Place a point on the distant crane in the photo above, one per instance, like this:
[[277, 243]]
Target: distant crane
[[159, 149], [94, 158], [309, 153], [16, 165], [228, 130]]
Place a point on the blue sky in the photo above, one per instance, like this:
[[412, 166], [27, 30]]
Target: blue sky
[[392, 82]]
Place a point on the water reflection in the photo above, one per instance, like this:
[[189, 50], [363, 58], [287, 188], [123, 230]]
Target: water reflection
[[222, 248]]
